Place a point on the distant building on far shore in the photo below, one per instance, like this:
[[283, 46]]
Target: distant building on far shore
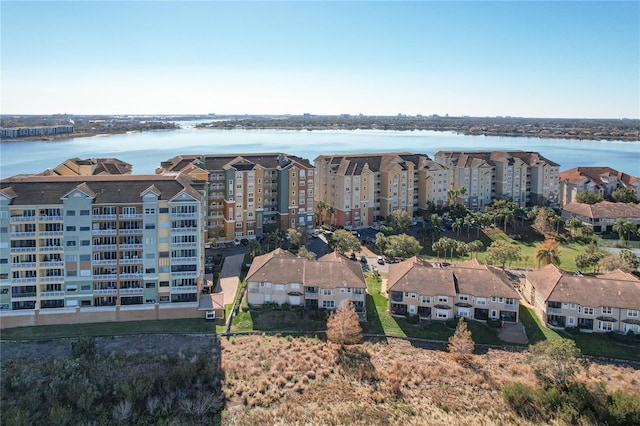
[[25, 132]]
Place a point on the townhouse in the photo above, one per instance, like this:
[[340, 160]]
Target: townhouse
[[468, 289], [602, 303], [599, 180], [358, 189], [281, 277], [245, 192], [100, 241], [524, 177], [90, 166], [600, 217]]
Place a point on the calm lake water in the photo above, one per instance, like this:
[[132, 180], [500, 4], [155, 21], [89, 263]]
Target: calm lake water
[[146, 150]]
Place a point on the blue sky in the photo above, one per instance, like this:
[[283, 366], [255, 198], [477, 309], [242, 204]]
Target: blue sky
[[529, 59]]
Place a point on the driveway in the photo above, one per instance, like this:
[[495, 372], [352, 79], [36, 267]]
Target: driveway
[[230, 277]]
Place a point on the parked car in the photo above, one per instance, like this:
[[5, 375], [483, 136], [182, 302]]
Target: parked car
[[244, 242], [353, 256], [314, 234], [236, 242], [380, 260], [363, 259]]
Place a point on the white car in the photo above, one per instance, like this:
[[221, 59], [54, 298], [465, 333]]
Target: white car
[[314, 234]]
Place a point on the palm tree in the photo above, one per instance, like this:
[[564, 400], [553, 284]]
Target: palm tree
[[437, 247], [320, 206], [457, 225], [330, 211], [624, 227], [254, 247], [548, 252], [574, 223]]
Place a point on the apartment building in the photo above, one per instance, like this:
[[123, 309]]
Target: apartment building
[[23, 132], [523, 177], [281, 277], [602, 303], [245, 192], [599, 180], [364, 188], [468, 289], [92, 241]]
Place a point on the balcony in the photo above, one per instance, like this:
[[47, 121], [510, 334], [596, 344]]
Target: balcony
[[103, 232], [51, 218], [184, 230], [184, 289], [132, 261], [23, 280], [130, 216], [137, 231], [104, 262], [131, 275], [23, 234], [181, 260], [51, 233], [184, 215], [52, 294], [554, 310], [130, 247], [52, 279], [105, 291], [109, 277], [105, 247], [23, 218], [24, 265], [23, 249], [51, 248], [191, 274], [104, 217], [51, 263], [176, 245], [131, 291]]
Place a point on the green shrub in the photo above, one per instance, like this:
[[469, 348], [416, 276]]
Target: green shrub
[[623, 409], [521, 399], [85, 346]]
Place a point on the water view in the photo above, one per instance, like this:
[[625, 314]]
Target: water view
[[146, 150]]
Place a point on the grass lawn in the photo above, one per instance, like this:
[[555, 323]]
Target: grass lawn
[[528, 244], [174, 326], [536, 331]]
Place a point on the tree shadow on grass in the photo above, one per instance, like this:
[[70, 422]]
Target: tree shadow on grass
[[355, 361], [373, 324]]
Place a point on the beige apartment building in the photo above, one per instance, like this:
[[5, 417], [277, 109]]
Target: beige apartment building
[[281, 277], [523, 177], [599, 180], [364, 188], [245, 192], [602, 303]]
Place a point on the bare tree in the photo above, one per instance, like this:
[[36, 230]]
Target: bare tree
[[343, 325], [461, 344]]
